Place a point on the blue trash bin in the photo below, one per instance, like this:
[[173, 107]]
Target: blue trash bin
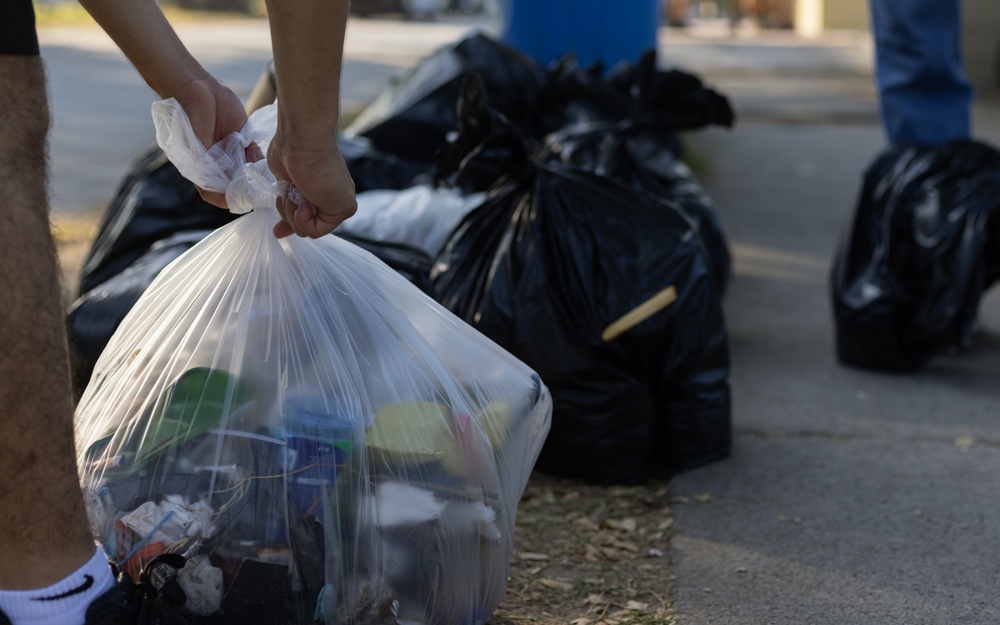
[[608, 31]]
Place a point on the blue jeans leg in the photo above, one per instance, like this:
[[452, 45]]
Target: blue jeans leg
[[924, 95]]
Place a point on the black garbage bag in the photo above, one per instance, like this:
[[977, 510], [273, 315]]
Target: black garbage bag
[[625, 127], [670, 99], [97, 313], [152, 203], [644, 160], [639, 94], [552, 258], [924, 245], [372, 169], [412, 118]]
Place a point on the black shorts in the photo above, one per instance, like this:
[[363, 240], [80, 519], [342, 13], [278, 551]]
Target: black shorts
[[17, 28]]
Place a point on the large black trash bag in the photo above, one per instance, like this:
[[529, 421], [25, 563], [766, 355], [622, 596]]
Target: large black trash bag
[[553, 257], [372, 169], [639, 94], [924, 245], [628, 133], [152, 203], [413, 118], [97, 313], [643, 161]]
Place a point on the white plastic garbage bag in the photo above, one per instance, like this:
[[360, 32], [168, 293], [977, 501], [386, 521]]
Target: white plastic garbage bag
[[298, 421], [420, 217]]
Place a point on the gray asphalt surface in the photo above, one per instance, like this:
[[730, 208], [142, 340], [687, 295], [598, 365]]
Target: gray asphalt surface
[[850, 496], [101, 107]]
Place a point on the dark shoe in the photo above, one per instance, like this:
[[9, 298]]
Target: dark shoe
[[143, 603], [155, 599]]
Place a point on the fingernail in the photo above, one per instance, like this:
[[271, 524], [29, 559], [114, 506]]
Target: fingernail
[[294, 195]]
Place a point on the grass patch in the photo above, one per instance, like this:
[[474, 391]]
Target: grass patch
[[70, 13], [62, 14], [73, 235], [586, 554]]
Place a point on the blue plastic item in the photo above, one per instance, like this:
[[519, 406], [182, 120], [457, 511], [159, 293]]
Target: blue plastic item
[[608, 31], [318, 444]]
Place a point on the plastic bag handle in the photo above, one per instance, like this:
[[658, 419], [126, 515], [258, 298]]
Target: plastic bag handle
[[222, 168]]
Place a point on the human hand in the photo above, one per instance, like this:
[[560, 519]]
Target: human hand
[[321, 189], [215, 112]]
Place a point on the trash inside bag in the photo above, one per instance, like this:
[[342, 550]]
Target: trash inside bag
[[603, 290], [923, 248], [287, 431]]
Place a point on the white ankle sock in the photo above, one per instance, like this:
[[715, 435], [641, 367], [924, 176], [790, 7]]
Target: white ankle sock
[[62, 603]]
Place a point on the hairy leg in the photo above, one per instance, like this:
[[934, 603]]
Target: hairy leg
[[44, 534]]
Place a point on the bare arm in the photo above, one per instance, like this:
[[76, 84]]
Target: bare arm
[[147, 39], [308, 41], [142, 32]]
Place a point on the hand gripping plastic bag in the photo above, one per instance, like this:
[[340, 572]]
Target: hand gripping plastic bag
[[157, 214], [287, 431]]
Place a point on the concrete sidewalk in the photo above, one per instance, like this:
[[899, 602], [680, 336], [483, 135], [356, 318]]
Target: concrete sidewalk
[[850, 496]]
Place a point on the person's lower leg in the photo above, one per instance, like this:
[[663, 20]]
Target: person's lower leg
[[44, 533]]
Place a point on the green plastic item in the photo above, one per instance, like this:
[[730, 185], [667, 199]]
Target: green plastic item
[[193, 405]]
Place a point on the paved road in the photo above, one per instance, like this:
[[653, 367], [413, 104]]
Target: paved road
[[101, 107], [851, 497]]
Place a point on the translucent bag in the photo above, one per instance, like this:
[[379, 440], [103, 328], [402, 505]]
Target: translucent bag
[[287, 431]]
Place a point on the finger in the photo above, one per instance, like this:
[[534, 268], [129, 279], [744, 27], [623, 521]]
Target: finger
[[301, 217], [254, 153], [321, 224], [213, 197], [282, 230]]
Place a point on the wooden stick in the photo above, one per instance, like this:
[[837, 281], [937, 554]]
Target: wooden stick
[[640, 313]]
